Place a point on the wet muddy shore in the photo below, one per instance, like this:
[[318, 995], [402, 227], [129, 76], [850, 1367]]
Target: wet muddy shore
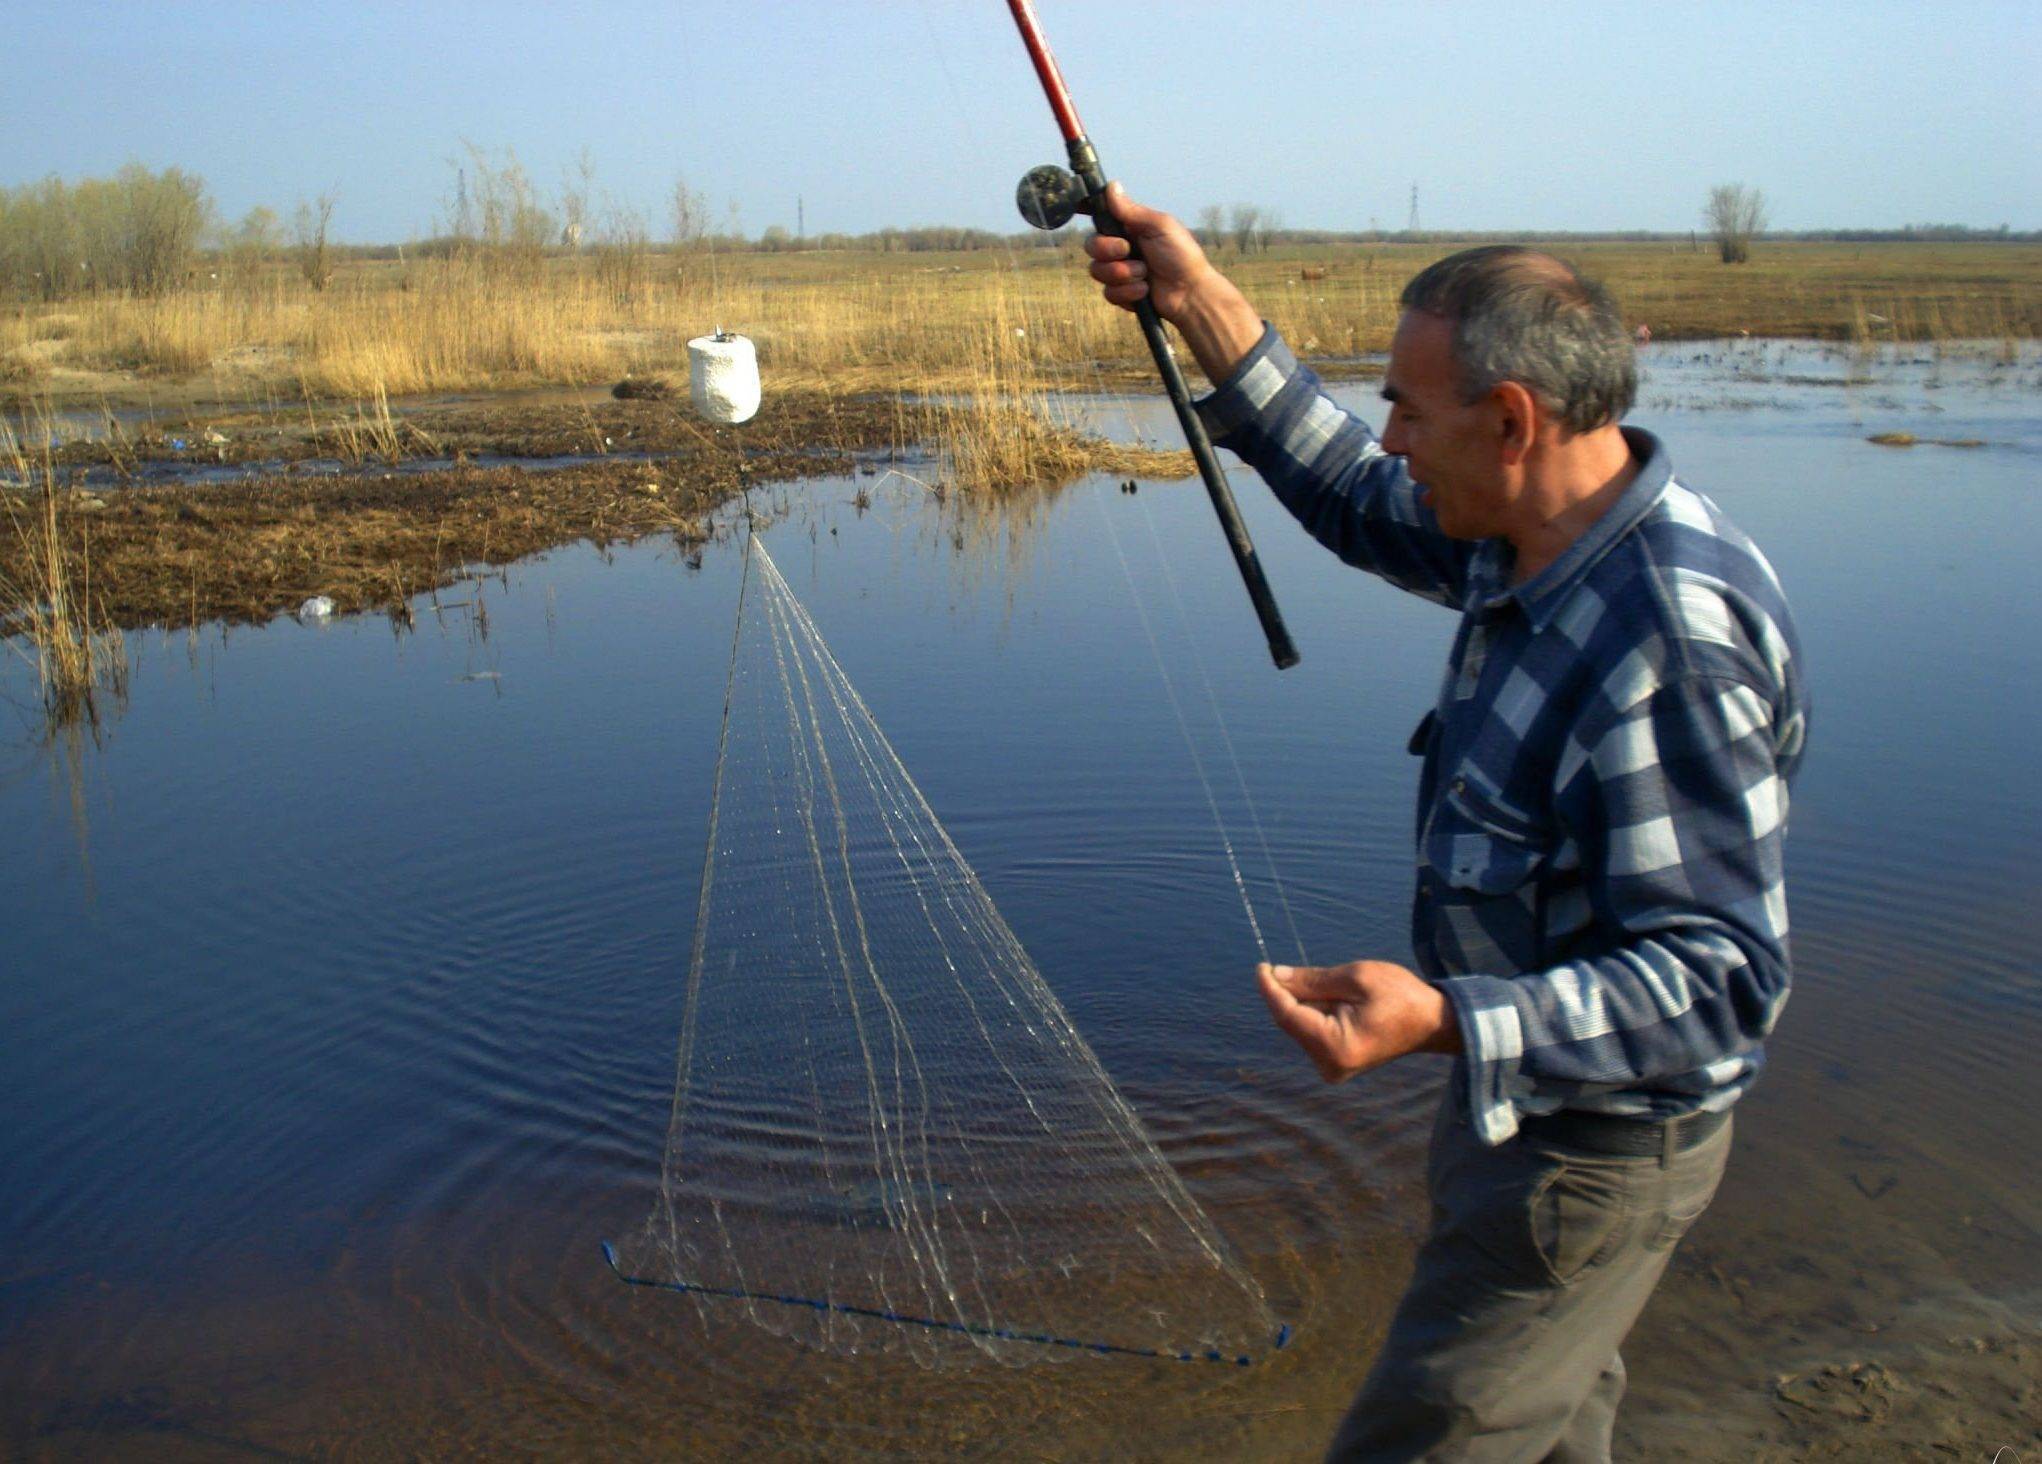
[[170, 538], [244, 515]]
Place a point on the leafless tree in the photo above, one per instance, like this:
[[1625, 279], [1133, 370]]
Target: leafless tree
[[1270, 226], [576, 191], [1736, 214], [1212, 227], [1245, 219], [690, 215]]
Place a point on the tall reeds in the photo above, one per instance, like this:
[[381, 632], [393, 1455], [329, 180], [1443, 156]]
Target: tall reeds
[[909, 321], [78, 656]]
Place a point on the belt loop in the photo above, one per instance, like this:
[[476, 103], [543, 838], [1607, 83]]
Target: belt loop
[[1669, 1142]]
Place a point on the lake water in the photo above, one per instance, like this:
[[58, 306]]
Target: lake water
[[342, 981]]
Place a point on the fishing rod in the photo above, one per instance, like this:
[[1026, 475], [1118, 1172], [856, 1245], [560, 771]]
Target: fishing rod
[[1049, 197]]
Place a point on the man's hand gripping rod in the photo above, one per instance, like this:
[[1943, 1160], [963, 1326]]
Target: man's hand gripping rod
[[1048, 197]]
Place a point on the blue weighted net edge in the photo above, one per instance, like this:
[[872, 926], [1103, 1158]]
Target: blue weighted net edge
[[932, 1323]]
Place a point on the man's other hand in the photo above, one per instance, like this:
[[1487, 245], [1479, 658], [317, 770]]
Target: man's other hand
[[1351, 1018]]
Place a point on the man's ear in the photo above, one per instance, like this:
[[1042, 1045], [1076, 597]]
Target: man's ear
[[1517, 413]]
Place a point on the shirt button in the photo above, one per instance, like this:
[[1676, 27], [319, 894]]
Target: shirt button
[[1460, 785]]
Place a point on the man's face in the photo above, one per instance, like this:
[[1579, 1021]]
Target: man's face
[[1454, 449]]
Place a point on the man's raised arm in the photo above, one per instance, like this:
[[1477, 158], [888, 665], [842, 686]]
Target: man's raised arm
[[1321, 462]]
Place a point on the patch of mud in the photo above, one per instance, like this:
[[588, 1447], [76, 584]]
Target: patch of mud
[[809, 423], [247, 548], [239, 518], [1972, 1395]]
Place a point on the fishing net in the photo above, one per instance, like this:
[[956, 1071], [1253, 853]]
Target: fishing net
[[886, 1133]]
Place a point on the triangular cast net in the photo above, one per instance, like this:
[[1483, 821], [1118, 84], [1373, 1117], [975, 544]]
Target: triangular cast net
[[886, 1133]]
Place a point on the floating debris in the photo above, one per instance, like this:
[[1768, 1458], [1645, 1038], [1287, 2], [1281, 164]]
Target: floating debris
[[1908, 439]]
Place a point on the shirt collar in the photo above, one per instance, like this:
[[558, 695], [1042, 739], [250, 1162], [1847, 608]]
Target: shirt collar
[[1540, 597]]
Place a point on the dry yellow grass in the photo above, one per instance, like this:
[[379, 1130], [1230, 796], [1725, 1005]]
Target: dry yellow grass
[[920, 322], [52, 616]]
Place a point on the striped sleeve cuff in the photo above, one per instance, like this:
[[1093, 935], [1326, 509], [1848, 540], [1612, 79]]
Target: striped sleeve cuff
[[1250, 387], [1492, 1052]]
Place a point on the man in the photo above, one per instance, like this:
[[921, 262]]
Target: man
[[1600, 914]]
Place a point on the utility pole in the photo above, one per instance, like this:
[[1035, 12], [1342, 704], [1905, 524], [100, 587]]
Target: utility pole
[[1412, 227]]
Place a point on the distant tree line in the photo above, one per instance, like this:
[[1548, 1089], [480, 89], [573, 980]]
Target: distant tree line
[[144, 232], [141, 232]]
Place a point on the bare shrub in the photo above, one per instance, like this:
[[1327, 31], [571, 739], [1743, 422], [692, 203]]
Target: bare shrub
[[251, 244], [1735, 214], [498, 219], [623, 243], [315, 259], [690, 221]]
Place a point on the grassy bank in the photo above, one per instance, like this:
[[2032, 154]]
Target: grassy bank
[[904, 322]]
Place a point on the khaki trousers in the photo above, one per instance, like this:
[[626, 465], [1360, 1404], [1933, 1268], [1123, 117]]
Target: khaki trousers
[[1538, 1261]]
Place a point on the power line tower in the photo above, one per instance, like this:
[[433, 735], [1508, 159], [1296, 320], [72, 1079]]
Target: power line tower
[[800, 219], [1412, 226]]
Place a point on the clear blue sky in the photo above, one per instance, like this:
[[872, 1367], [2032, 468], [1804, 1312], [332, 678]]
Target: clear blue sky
[[1532, 116]]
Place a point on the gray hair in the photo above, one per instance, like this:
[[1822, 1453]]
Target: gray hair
[[1523, 316]]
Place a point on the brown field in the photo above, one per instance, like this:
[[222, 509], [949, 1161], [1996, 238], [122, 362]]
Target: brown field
[[977, 323]]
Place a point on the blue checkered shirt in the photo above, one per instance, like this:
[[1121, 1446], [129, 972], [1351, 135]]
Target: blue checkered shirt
[[1604, 795]]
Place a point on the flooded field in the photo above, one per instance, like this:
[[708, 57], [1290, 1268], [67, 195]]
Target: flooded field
[[343, 983]]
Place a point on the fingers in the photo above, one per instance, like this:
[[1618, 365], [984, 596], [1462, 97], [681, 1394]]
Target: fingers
[[1291, 1015], [1119, 272], [1322, 983], [1126, 280], [1135, 218], [1309, 1024], [1107, 247]]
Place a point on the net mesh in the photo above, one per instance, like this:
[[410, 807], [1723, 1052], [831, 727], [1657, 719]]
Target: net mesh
[[886, 1132]]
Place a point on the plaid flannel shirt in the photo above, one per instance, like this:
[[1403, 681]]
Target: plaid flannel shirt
[[1604, 796]]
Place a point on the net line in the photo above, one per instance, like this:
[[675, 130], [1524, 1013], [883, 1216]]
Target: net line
[[1139, 435], [887, 1134], [1103, 391]]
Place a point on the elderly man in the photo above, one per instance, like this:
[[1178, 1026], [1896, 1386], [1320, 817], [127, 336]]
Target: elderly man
[[1600, 914]]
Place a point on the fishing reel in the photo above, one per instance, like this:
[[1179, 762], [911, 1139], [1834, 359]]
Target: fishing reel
[[1049, 196]]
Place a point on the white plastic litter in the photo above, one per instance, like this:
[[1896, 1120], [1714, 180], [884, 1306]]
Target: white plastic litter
[[319, 607], [723, 377]]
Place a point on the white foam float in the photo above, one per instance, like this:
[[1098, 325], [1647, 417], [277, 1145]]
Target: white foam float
[[723, 378]]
